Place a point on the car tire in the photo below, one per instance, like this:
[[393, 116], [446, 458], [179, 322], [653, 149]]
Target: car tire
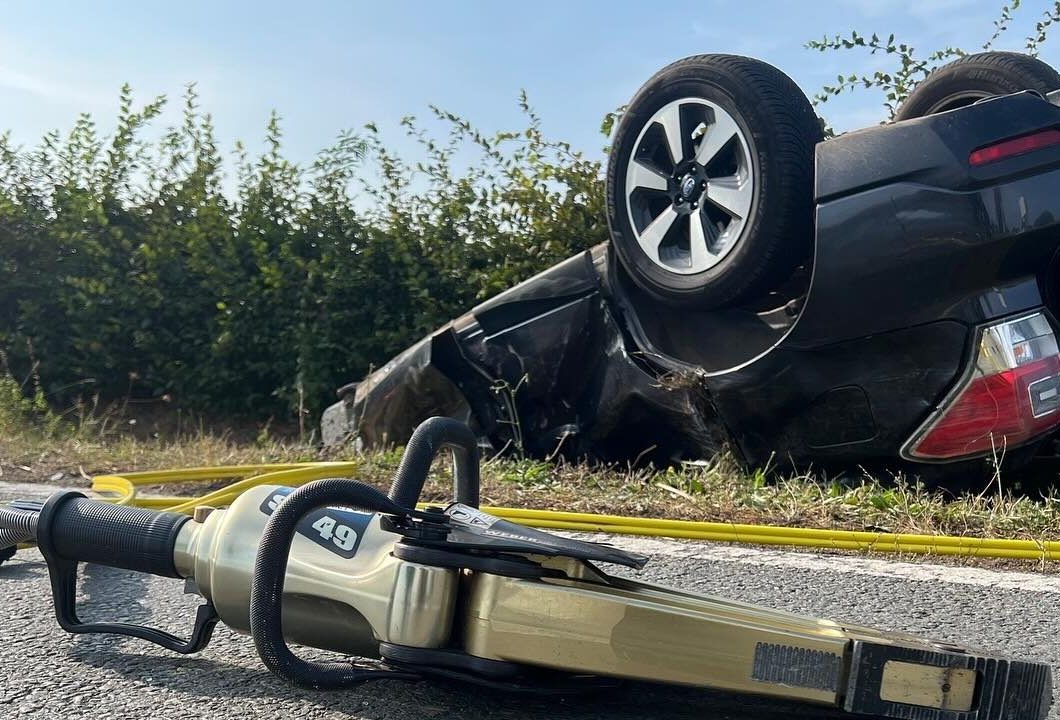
[[733, 217], [975, 77]]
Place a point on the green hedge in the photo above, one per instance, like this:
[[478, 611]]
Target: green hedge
[[126, 270]]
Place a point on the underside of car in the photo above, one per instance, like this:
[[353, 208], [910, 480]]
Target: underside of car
[[881, 298]]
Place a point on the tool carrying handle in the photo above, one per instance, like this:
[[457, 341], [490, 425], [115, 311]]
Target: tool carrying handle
[[72, 529], [430, 437], [270, 570]]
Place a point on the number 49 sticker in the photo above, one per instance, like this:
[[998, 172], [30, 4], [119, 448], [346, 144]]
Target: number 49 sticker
[[342, 536], [339, 531]]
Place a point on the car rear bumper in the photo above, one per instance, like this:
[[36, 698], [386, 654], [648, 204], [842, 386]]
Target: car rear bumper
[[903, 275]]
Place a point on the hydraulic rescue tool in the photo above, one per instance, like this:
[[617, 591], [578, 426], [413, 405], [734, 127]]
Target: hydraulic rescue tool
[[456, 593]]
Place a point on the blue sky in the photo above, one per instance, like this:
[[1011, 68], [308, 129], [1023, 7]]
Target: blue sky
[[329, 65]]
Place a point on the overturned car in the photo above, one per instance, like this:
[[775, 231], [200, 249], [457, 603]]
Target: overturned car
[[884, 297]]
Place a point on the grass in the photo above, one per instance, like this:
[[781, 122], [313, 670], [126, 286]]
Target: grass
[[38, 445], [71, 450]]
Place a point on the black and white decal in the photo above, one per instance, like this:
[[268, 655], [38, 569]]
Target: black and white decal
[[333, 529]]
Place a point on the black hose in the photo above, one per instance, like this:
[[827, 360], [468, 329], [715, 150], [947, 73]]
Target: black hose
[[17, 526], [431, 436], [270, 569]]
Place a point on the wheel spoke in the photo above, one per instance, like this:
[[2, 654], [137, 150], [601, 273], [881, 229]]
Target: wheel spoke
[[699, 245], [642, 176], [653, 235], [731, 194], [718, 135], [671, 122]]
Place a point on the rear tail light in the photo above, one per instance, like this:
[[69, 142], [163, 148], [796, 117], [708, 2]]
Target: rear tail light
[[1014, 146], [1011, 396]]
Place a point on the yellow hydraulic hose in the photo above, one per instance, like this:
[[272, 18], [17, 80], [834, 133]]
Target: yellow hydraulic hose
[[122, 489]]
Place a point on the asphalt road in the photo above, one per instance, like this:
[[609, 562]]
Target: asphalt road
[[49, 674]]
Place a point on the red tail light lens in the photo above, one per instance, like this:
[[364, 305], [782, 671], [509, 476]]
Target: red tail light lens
[[1014, 147], [1012, 396]]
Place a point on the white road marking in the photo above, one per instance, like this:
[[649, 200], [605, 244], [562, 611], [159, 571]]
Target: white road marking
[[31, 491], [920, 572]]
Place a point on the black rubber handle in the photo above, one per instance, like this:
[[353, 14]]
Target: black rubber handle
[[430, 437], [75, 528], [270, 571], [72, 529]]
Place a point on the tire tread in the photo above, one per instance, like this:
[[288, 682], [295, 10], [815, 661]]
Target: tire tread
[[1007, 71]]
